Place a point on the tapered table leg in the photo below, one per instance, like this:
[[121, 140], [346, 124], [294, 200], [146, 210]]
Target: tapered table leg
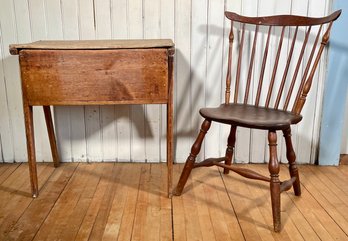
[[29, 130], [51, 136]]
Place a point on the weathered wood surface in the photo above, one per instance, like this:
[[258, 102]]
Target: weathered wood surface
[[77, 77], [93, 44], [128, 202], [112, 133]]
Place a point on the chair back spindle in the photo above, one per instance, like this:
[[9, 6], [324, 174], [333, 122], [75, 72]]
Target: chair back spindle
[[264, 61], [251, 64], [239, 65], [292, 84]]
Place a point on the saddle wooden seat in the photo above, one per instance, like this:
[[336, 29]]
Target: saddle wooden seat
[[255, 104], [251, 116]]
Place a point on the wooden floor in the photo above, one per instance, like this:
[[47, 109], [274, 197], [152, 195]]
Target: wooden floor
[[108, 201]]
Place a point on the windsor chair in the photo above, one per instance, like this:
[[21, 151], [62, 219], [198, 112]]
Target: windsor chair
[[293, 80]]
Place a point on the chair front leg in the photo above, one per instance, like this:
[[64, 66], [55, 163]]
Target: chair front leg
[[291, 156], [195, 149], [230, 148], [273, 167]]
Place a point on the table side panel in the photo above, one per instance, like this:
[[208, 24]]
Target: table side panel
[[75, 77]]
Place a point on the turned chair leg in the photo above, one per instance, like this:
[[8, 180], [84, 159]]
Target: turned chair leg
[[291, 156], [230, 147], [196, 147], [273, 167]]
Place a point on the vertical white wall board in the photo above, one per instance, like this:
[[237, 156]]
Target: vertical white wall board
[[7, 154], [257, 137], [110, 133], [135, 24], [120, 19], [324, 6], [86, 19], [53, 16], [21, 10], [298, 7], [152, 30], [89, 132], [166, 31], [183, 84], [242, 153], [61, 114], [283, 7], [12, 87], [214, 71], [118, 22], [134, 30], [38, 32], [199, 30], [305, 128], [70, 22], [92, 143], [104, 136]]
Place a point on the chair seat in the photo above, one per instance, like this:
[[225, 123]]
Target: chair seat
[[251, 116]]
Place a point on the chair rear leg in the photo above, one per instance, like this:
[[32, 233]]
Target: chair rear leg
[[196, 147], [273, 167], [230, 147], [291, 156]]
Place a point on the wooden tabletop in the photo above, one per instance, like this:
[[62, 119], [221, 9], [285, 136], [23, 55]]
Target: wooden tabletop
[[93, 44]]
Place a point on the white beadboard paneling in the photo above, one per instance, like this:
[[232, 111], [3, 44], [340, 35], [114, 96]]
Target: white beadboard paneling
[[182, 90], [199, 31], [77, 118], [123, 133], [53, 16], [133, 24], [300, 8], [166, 31], [214, 71], [318, 10], [152, 19], [96, 115], [305, 128], [138, 132], [14, 122], [38, 32], [7, 154], [86, 19], [61, 114], [258, 141], [21, 10], [118, 29], [242, 153]]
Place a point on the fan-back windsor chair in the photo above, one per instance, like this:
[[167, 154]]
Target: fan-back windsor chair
[[293, 81]]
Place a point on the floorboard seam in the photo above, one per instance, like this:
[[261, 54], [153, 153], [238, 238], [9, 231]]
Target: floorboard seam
[[72, 174]]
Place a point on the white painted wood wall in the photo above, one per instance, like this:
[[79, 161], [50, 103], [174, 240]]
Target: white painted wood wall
[[137, 133]]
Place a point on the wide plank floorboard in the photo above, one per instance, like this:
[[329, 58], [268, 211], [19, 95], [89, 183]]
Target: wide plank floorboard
[[128, 201]]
